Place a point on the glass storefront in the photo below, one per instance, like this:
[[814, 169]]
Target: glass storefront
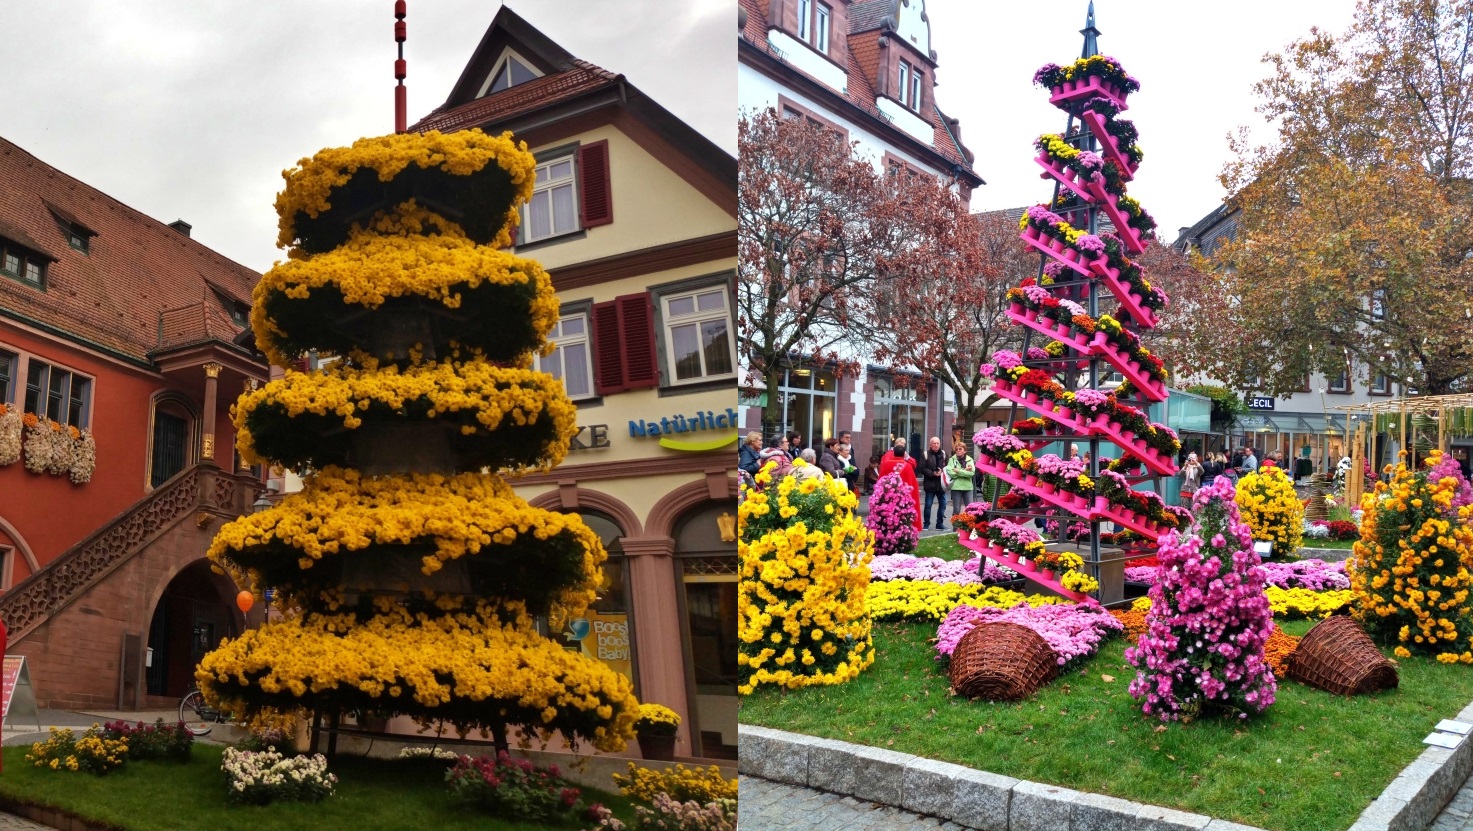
[[899, 414], [810, 400], [606, 631], [707, 571]]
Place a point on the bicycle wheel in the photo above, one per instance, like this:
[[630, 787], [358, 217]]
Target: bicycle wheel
[[196, 715]]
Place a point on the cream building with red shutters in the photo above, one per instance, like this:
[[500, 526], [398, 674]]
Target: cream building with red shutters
[[634, 215]]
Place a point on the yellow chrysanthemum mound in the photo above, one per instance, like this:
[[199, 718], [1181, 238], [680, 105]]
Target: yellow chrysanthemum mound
[[1413, 566], [1272, 511], [472, 669], [482, 298], [801, 613], [495, 417], [484, 177], [547, 559]]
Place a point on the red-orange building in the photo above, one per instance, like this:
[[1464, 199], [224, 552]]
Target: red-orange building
[[117, 325]]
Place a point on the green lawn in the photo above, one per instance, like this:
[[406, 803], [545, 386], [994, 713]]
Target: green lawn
[[1345, 544], [944, 546], [372, 794], [1312, 763]]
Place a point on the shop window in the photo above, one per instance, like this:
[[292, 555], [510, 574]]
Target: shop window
[[606, 630], [708, 577]]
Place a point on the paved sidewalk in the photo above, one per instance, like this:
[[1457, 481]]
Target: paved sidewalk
[[10, 822], [1458, 815], [771, 806]]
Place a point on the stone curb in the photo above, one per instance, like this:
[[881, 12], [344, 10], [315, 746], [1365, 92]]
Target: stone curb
[[973, 798], [1418, 794]]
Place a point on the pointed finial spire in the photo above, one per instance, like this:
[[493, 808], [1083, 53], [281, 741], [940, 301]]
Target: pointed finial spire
[[401, 104], [1091, 34]]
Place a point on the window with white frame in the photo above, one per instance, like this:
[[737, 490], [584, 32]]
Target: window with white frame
[[1342, 383], [821, 16], [902, 89], [1378, 304], [509, 72], [908, 90], [553, 209], [59, 394], [570, 359], [1381, 385], [698, 334], [805, 23]]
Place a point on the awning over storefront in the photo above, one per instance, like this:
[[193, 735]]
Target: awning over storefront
[[1314, 423]]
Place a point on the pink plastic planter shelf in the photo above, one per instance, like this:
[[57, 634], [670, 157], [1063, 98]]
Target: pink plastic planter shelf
[[1109, 145], [1110, 512], [1129, 299], [1058, 250], [1048, 409], [1022, 315], [1067, 177], [1026, 568], [1149, 387], [1085, 89], [1099, 425], [1128, 235], [1099, 508]]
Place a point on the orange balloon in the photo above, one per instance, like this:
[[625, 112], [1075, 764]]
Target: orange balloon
[[245, 600]]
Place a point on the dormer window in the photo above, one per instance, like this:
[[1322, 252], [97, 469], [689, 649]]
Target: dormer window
[[78, 238], [814, 24], [908, 91], [508, 72], [22, 264], [240, 314]]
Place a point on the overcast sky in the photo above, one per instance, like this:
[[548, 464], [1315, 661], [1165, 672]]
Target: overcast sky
[[190, 109], [1196, 63]]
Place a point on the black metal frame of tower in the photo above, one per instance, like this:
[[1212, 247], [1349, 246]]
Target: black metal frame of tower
[[1083, 139]]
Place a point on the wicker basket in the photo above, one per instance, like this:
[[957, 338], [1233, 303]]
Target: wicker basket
[[1339, 657], [1002, 662]]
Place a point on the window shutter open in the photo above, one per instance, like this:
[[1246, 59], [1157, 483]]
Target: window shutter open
[[637, 326], [594, 195], [608, 349]]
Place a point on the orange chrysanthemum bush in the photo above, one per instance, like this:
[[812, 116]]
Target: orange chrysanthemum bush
[[1413, 566], [412, 581]]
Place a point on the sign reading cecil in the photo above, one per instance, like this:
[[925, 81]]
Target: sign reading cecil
[[1260, 402], [668, 427]]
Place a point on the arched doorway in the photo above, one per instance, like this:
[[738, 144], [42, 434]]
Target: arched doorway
[[171, 437], [191, 618], [606, 630], [707, 578]]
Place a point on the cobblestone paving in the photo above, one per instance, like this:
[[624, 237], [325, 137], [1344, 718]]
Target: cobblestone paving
[[10, 822], [1458, 815], [771, 806]]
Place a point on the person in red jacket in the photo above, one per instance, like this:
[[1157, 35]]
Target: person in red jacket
[[896, 460]]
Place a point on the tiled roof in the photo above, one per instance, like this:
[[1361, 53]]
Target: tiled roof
[[134, 269], [861, 60], [545, 91], [1210, 232], [866, 16]]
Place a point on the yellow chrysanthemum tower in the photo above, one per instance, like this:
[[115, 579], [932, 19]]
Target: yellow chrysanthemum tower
[[412, 579]]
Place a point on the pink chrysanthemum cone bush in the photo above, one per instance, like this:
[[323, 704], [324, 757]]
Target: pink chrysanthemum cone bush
[[1202, 650], [892, 516]]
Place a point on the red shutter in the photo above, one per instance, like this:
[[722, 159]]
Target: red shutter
[[608, 349], [303, 364], [637, 329], [594, 194]]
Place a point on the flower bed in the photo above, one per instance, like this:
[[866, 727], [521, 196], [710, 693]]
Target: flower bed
[[923, 600], [1073, 632], [1295, 604], [263, 777], [937, 570]]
